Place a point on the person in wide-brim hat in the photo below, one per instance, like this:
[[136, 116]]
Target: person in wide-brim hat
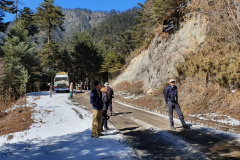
[[106, 84], [110, 97], [171, 98]]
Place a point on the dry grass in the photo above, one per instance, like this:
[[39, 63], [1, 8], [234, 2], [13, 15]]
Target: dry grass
[[194, 99], [199, 99], [133, 88], [15, 121], [154, 103]]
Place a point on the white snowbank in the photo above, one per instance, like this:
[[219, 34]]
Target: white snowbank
[[217, 118]]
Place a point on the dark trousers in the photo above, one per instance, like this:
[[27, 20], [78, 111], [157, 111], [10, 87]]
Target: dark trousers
[[175, 105], [104, 119], [110, 106]]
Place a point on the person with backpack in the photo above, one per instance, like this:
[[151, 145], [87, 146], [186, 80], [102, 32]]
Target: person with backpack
[[171, 98], [110, 97], [105, 100]]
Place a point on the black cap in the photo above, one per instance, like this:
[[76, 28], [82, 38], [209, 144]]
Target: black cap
[[96, 83]]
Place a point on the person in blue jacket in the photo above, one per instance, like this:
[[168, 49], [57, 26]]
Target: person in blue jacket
[[171, 98], [97, 104]]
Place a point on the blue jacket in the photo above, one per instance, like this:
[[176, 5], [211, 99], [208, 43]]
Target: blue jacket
[[171, 94], [95, 100]]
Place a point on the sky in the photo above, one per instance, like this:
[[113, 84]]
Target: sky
[[94, 5]]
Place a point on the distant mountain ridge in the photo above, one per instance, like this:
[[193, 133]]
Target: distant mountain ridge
[[78, 20]]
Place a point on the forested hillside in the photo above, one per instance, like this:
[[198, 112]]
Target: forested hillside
[[88, 45]]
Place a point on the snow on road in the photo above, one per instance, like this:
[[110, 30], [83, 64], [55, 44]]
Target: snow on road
[[62, 130]]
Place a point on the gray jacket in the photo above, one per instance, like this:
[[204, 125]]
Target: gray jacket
[[105, 101]]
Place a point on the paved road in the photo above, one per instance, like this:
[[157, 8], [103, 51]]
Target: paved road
[[149, 141]]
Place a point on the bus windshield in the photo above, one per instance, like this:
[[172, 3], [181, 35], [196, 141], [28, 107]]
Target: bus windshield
[[61, 79]]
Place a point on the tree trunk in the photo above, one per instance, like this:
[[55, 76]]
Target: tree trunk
[[25, 96], [16, 16]]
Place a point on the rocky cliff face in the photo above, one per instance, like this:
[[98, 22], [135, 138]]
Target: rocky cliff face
[[156, 65], [79, 20]]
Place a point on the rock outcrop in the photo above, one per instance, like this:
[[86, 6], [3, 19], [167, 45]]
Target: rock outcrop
[[79, 20], [157, 64]]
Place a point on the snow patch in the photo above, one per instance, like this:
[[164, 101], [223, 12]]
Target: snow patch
[[59, 132]]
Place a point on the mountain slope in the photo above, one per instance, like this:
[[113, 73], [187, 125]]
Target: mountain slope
[[155, 65], [79, 20]]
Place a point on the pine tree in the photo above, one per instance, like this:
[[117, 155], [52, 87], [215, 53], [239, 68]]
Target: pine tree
[[27, 17], [143, 31], [19, 55], [19, 43], [49, 17], [168, 10], [50, 55], [86, 58], [112, 63], [5, 6]]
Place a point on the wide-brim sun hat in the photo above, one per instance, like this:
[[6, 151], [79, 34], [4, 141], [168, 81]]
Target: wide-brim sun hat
[[172, 80], [106, 84]]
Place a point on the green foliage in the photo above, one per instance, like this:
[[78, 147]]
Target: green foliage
[[167, 9], [50, 55], [19, 56], [112, 63], [5, 6], [144, 30], [85, 57], [27, 17], [115, 40], [49, 17], [116, 24]]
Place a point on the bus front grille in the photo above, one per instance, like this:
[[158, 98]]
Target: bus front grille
[[61, 86]]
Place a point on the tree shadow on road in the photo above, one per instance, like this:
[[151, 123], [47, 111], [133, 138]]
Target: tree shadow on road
[[181, 144]]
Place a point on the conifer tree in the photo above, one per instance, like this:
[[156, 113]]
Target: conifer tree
[[50, 55], [19, 55], [143, 31], [49, 17], [27, 17], [168, 9], [112, 63], [85, 55], [5, 6]]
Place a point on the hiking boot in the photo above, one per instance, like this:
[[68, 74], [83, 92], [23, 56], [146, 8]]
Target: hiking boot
[[106, 128], [186, 127], [100, 134], [94, 136], [173, 128]]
